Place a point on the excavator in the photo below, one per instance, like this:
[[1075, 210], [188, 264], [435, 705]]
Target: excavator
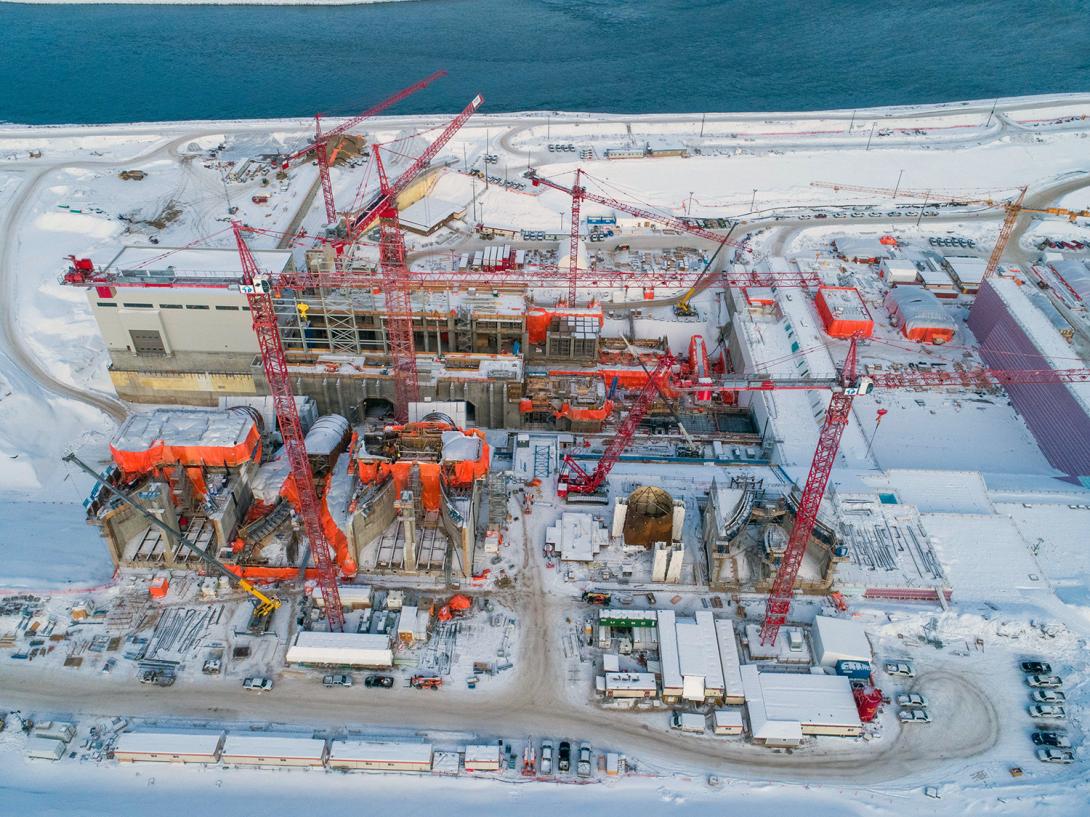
[[264, 605]]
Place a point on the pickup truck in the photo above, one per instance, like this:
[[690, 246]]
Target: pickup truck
[[583, 769], [546, 757], [258, 684], [337, 681]]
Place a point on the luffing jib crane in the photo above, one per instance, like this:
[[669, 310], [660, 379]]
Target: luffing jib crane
[[264, 605], [574, 479], [259, 297], [322, 140], [846, 387], [579, 192]]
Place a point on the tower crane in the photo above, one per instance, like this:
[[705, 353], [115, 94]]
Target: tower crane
[[1012, 209], [264, 605], [579, 192], [848, 385], [573, 479], [362, 219], [322, 140], [258, 294]]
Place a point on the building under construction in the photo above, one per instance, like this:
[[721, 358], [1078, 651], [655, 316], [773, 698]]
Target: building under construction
[[403, 499]]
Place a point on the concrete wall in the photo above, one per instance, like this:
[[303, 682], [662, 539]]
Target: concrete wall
[[371, 520]]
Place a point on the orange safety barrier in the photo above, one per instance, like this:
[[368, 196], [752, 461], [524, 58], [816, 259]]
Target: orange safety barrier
[[629, 379], [161, 453], [586, 415], [538, 320], [196, 476]]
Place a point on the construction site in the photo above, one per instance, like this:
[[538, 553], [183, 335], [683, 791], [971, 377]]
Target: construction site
[[408, 418]]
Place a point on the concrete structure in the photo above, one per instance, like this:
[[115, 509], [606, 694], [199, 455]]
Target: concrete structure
[[1013, 334], [577, 537], [168, 747], [380, 756], [267, 750], [783, 707], [725, 517], [667, 562], [321, 649], [839, 639]]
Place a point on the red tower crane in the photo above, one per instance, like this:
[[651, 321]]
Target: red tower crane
[[846, 388], [267, 330], [579, 192], [321, 142], [576, 480], [396, 289], [385, 198]]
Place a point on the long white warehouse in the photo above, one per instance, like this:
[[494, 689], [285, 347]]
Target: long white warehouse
[[385, 756], [341, 650], [168, 747]]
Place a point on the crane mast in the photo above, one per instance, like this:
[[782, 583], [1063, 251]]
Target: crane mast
[[578, 481], [291, 429]]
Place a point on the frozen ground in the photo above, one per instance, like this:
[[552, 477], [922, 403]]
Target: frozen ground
[[1014, 551]]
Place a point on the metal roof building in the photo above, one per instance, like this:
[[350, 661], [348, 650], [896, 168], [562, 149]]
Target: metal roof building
[[1014, 334], [341, 650], [386, 756], [783, 707], [269, 750], [168, 747]]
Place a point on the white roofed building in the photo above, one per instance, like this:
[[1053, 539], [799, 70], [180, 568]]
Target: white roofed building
[[168, 747], [385, 756], [341, 650], [270, 750], [783, 707]]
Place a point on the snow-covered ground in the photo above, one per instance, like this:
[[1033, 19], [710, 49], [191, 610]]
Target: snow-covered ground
[[1009, 536]]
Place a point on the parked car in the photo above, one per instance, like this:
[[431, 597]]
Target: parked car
[[1057, 739], [563, 757], [157, 677], [1036, 668], [546, 757], [1048, 696], [1055, 755], [914, 716], [1045, 681], [1052, 712], [384, 681], [584, 767], [107, 668], [911, 700], [258, 684], [901, 669], [337, 681]]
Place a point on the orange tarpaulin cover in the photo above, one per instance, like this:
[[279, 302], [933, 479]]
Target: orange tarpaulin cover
[[334, 535], [161, 453], [587, 415], [538, 320]]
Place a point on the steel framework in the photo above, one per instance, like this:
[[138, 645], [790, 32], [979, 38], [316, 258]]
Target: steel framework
[[275, 364]]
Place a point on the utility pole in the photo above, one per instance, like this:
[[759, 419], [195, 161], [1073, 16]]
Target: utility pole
[[753, 201], [852, 123], [992, 113], [873, 125], [689, 208], [922, 207], [897, 187], [702, 117]]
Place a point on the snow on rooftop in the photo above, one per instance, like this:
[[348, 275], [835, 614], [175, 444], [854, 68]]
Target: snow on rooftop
[[935, 491], [169, 743], [729, 658], [984, 557], [1056, 352], [781, 703], [183, 427], [579, 536], [631, 680], [271, 746], [845, 303], [967, 269], [195, 262], [381, 751]]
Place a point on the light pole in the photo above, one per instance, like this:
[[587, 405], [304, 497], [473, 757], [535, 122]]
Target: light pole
[[852, 123], [753, 201], [873, 125], [897, 187], [689, 207]]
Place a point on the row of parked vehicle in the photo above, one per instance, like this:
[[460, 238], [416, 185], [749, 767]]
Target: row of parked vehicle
[[951, 241], [556, 148], [562, 760], [1047, 704], [1061, 245]]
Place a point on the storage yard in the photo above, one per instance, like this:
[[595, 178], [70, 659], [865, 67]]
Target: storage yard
[[607, 469]]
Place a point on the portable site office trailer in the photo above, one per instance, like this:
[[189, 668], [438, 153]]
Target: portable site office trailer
[[384, 756], [168, 747], [482, 757], [45, 748], [55, 730], [727, 722], [263, 750]]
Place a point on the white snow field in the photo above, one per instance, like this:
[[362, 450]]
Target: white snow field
[[1009, 536]]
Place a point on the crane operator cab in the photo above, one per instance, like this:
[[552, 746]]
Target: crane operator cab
[[860, 386]]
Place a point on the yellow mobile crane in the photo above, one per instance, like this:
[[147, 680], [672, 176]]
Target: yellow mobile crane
[[263, 605]]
